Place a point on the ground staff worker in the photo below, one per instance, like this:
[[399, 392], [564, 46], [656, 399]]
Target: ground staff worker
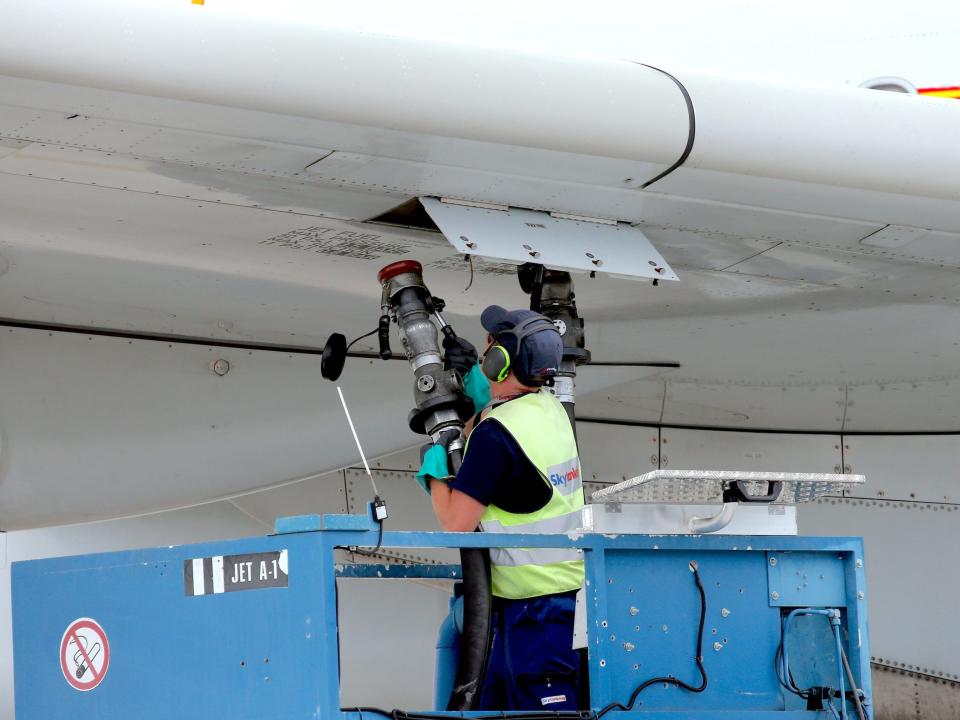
[[520, 474]]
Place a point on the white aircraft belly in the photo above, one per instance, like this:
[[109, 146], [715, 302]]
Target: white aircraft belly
[[97, 427], [127, 205], [84, 255]]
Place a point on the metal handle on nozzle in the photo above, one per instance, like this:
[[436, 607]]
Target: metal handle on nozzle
[[383, 334]]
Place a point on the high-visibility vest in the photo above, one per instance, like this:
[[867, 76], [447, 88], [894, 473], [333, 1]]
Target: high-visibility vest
[[540, 426]]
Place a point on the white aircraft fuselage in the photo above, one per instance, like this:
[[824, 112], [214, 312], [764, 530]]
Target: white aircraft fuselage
[[221, 177], [194, 195]]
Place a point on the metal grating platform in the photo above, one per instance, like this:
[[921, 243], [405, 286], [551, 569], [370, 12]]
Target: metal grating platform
[[706, 486]]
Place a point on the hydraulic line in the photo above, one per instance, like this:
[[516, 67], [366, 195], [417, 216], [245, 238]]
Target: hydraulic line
[[853, 684], [782, 662], [835, 623]]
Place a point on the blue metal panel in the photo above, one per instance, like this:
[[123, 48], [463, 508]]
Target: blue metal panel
[[856, 627], [367, 714], [806, 579], [651, 632], [240, 655], [427, 572], [813, 654], [298, 523], [273, 653], [310, 523]]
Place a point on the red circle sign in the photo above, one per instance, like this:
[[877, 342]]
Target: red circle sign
[[84, 654]]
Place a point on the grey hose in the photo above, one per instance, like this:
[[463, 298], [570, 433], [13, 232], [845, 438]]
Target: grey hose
[[853, 685]]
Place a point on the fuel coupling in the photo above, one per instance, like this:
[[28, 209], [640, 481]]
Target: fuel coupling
[[551, 293], [441, 405]]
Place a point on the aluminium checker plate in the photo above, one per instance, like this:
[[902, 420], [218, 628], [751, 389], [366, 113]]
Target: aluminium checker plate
[[706, 486]]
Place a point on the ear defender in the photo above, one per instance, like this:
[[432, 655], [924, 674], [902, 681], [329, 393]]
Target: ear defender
[[496, 363]]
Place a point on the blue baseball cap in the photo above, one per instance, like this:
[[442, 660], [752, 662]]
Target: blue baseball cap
[[541, 347]]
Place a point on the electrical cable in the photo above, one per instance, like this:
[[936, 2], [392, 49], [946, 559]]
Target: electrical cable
[[787, 681], [835, 624], [469, 259], [781, 657], [368, 553], [579, 715], [671, 680], [832, 708], [355, 340]]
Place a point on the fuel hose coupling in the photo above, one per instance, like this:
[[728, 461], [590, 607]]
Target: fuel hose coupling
[[441, 404]]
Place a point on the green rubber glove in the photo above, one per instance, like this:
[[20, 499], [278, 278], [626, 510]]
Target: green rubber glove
[[477, 387], [433, 466]]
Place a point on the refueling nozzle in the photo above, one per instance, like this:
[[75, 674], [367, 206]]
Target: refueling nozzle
[[441, 404]]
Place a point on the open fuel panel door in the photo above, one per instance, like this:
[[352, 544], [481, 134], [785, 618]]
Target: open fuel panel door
[[559, 242]]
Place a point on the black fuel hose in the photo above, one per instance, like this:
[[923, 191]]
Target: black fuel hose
[[477, 629]]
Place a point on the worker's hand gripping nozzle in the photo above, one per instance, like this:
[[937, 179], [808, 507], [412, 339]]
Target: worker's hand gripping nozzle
[[441, 405]]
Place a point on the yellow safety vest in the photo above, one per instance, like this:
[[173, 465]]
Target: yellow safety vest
[[540, 426]]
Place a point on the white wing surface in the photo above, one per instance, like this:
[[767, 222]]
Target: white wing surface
[[182, 184]]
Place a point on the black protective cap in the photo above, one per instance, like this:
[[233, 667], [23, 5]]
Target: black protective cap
[[334, 356]]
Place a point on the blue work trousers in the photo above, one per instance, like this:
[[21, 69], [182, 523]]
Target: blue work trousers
[[532, 663]]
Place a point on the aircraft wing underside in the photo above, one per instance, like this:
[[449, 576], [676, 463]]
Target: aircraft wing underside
[[235, 205]]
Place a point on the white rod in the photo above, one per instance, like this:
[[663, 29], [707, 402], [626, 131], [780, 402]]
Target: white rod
[[356, 439]]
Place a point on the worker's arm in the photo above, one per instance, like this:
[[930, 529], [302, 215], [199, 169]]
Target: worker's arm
[[456, 511], [459, 508]]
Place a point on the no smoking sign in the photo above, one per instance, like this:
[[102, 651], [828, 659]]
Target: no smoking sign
[[84, 654]]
